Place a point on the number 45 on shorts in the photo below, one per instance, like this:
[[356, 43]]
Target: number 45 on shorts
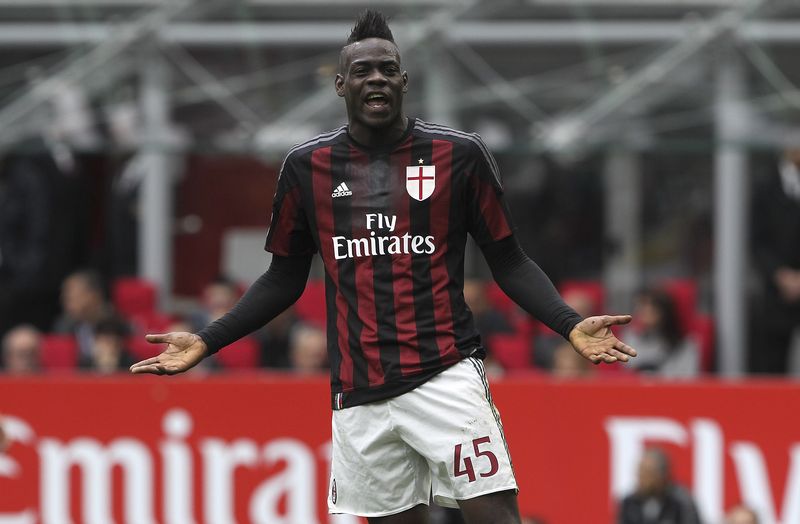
[[468, 468]]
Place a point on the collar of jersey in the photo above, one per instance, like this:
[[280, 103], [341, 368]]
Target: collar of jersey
[[387, 147]]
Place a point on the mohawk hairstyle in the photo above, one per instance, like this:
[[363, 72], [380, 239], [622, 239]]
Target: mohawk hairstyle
[[370, 24]]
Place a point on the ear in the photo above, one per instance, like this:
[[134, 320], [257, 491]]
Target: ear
[[339, 83], [405, 81]]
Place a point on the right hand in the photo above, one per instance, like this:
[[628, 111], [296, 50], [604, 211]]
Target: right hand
[[183, 352]]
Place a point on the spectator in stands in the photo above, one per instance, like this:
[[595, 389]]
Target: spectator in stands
[[775, 235], [84, 304], [219, 297], [657, 499], [108, 353], [22, 349], [741, 515], [657, 335], [567, 363], [308, 349]]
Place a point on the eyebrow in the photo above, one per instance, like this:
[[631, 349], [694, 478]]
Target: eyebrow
[[361, 61]]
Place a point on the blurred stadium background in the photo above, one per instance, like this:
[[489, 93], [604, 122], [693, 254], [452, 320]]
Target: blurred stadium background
[[639, 141]]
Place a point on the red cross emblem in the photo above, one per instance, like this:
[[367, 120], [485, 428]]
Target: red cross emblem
[[420, 181]]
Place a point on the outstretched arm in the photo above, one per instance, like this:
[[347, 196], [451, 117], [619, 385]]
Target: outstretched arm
[[527, 285], [272, 293]]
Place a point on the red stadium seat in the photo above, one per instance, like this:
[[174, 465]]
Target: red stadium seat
[[242, 354], [684, 294], [511, 351], [141, 349], [133, 296], [528, 327], [499, 299], [311, 305], [151, 322], [703, 331], [59, 352]]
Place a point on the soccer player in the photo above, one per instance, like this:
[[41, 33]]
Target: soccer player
[[387, 201]]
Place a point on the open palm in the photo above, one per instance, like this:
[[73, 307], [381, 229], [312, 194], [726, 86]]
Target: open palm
[[183, 352], [593, 339]]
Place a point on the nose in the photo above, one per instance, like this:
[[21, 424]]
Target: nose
[[376, 77]]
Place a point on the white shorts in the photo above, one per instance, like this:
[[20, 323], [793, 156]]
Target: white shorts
[[444, 437]]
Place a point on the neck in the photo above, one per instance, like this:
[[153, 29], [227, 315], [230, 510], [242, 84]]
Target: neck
[[372, 137]]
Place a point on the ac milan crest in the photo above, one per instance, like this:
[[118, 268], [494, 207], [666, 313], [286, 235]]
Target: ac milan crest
[[420, 181]]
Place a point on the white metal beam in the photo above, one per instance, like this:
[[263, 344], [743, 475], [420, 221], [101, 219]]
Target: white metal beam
[[325, 33], [156, 214], [730, 216], [639, 4], [566, 130]]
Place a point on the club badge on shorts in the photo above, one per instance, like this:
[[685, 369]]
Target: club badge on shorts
[[333, 491], [420, 181]]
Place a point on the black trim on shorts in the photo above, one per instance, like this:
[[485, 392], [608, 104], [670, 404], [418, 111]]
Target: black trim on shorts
[[478, 365]]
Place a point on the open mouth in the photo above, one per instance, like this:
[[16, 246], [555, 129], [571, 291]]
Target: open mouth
[[377, 101]]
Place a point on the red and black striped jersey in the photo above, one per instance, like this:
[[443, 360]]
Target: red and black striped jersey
[[391, 226]]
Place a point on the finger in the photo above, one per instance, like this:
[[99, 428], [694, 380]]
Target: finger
[[602, 358], [625, 348], [608, 359], [155, 369], [618, 355], [616, 320], [164, 338], [146, 362]]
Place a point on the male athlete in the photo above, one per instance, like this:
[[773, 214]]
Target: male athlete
[[388, 201]]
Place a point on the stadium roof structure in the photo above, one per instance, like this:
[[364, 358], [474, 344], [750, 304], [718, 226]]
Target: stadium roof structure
[[540, 61]]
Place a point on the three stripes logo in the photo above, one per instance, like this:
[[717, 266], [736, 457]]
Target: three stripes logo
[[341, 191]]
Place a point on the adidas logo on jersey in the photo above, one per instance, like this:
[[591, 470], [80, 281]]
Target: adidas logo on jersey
[[341, 191]]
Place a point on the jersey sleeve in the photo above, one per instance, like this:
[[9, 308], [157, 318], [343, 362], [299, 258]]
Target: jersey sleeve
[[488, 214], [289, 232]]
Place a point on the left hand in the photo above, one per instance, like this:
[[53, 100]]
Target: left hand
[[593, 339]]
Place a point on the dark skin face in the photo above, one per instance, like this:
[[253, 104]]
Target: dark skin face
[[372, 83]]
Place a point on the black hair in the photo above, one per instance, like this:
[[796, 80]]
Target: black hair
[[224, 280], [670, 328], [370, 24], [112, 325], [92, 279]]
